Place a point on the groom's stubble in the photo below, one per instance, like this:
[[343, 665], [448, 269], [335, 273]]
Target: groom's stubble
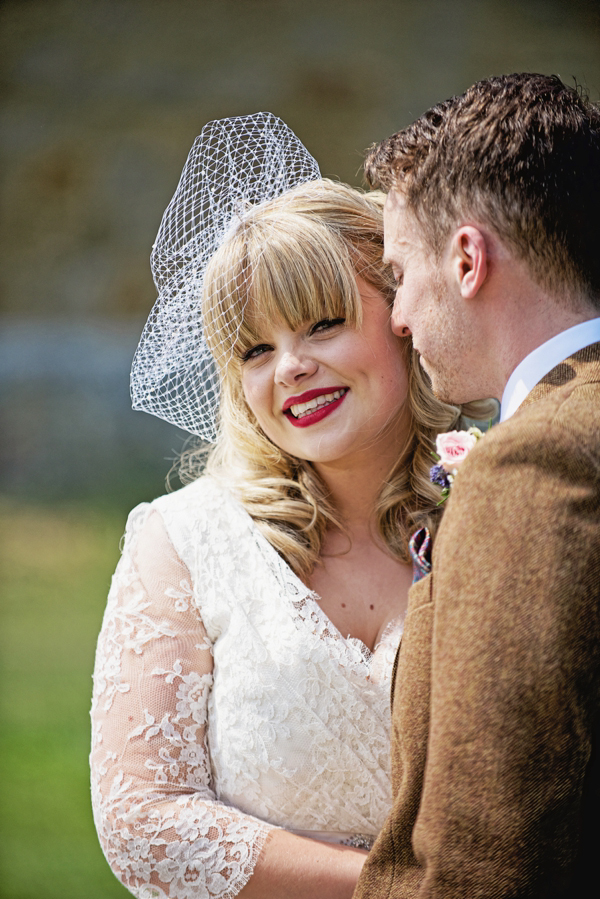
[[448, 347]]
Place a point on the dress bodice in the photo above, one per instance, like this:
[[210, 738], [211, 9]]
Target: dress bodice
[[226, 703]]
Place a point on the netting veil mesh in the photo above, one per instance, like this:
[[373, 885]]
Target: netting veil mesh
[[234, 165]]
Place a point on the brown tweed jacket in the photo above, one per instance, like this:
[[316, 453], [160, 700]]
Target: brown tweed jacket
[[496, 712]]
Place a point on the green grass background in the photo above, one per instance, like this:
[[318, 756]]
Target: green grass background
[[55, 569]]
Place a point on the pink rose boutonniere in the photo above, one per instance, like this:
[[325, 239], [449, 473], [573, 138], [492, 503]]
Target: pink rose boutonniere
[[453, 447]]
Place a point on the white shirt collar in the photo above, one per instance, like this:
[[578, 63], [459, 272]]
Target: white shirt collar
[[543, 359]]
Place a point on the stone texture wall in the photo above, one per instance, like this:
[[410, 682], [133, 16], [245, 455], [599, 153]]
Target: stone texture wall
[[100, 101]]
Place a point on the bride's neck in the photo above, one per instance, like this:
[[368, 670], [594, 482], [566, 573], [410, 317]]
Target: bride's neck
[[355, 483], [354, 495]]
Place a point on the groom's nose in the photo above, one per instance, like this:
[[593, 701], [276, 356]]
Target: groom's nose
[[399, 326]]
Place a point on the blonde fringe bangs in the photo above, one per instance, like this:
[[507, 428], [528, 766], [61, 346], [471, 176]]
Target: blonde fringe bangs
[[297, 273], [319, 236]]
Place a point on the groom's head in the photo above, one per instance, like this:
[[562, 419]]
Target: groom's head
[[514, 164]]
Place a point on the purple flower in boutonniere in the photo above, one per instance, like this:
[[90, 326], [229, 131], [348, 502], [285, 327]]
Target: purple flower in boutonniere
[[438, 475], [453, 447]]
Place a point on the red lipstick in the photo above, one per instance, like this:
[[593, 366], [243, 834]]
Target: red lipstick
[[309, 395], [317, 414]]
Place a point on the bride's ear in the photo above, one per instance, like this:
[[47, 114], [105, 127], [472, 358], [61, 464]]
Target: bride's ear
[[469, 260]]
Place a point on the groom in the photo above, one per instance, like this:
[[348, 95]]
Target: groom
[[492, 228]]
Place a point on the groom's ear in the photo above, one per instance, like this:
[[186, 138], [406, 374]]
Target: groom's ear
[[469, 256]]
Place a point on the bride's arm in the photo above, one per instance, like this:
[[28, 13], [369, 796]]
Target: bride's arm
[[161, 827], [298, 868]]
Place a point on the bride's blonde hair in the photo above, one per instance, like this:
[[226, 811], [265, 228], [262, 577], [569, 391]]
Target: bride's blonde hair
[[296, 258]]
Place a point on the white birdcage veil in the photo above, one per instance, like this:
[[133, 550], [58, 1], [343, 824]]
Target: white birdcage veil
[[234, 165]]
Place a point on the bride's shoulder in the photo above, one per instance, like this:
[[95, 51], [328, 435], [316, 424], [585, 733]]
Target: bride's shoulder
[[205, 504], [203, 513]]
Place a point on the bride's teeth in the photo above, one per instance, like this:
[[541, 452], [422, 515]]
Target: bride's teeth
[[299, 409]]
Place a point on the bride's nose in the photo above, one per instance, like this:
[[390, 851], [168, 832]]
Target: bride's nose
[[293, 366]]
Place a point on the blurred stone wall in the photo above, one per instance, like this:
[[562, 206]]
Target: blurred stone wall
[[100, 101]]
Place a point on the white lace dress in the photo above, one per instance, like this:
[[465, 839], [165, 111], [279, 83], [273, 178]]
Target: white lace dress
[[226, 704]]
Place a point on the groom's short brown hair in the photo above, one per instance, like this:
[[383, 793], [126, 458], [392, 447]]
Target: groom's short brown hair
[[520, 153]]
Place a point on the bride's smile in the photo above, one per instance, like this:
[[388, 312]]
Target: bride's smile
[[313, 405]]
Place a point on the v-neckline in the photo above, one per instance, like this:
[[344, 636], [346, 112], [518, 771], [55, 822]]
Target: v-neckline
[[306, 594]]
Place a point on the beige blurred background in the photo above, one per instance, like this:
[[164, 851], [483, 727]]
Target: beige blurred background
[[100, 101]]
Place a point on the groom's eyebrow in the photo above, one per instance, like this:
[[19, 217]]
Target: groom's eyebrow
[[392, 255]]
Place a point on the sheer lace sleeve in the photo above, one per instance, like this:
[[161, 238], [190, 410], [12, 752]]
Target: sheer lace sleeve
[[162, 830]]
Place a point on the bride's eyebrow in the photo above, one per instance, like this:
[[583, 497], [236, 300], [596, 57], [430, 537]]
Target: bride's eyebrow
[[246, 342]]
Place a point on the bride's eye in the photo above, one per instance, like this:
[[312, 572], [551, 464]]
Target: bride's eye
[[255, 351], [326, 324]]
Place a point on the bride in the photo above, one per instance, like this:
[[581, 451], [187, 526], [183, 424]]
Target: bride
[[241, 700]]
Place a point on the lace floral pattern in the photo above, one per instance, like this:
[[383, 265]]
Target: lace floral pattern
[[226, 704]]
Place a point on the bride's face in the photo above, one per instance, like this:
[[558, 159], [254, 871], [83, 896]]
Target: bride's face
[[329, 392]]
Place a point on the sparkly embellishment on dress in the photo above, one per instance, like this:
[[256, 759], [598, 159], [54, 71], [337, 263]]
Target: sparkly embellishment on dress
[[359, 841]]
